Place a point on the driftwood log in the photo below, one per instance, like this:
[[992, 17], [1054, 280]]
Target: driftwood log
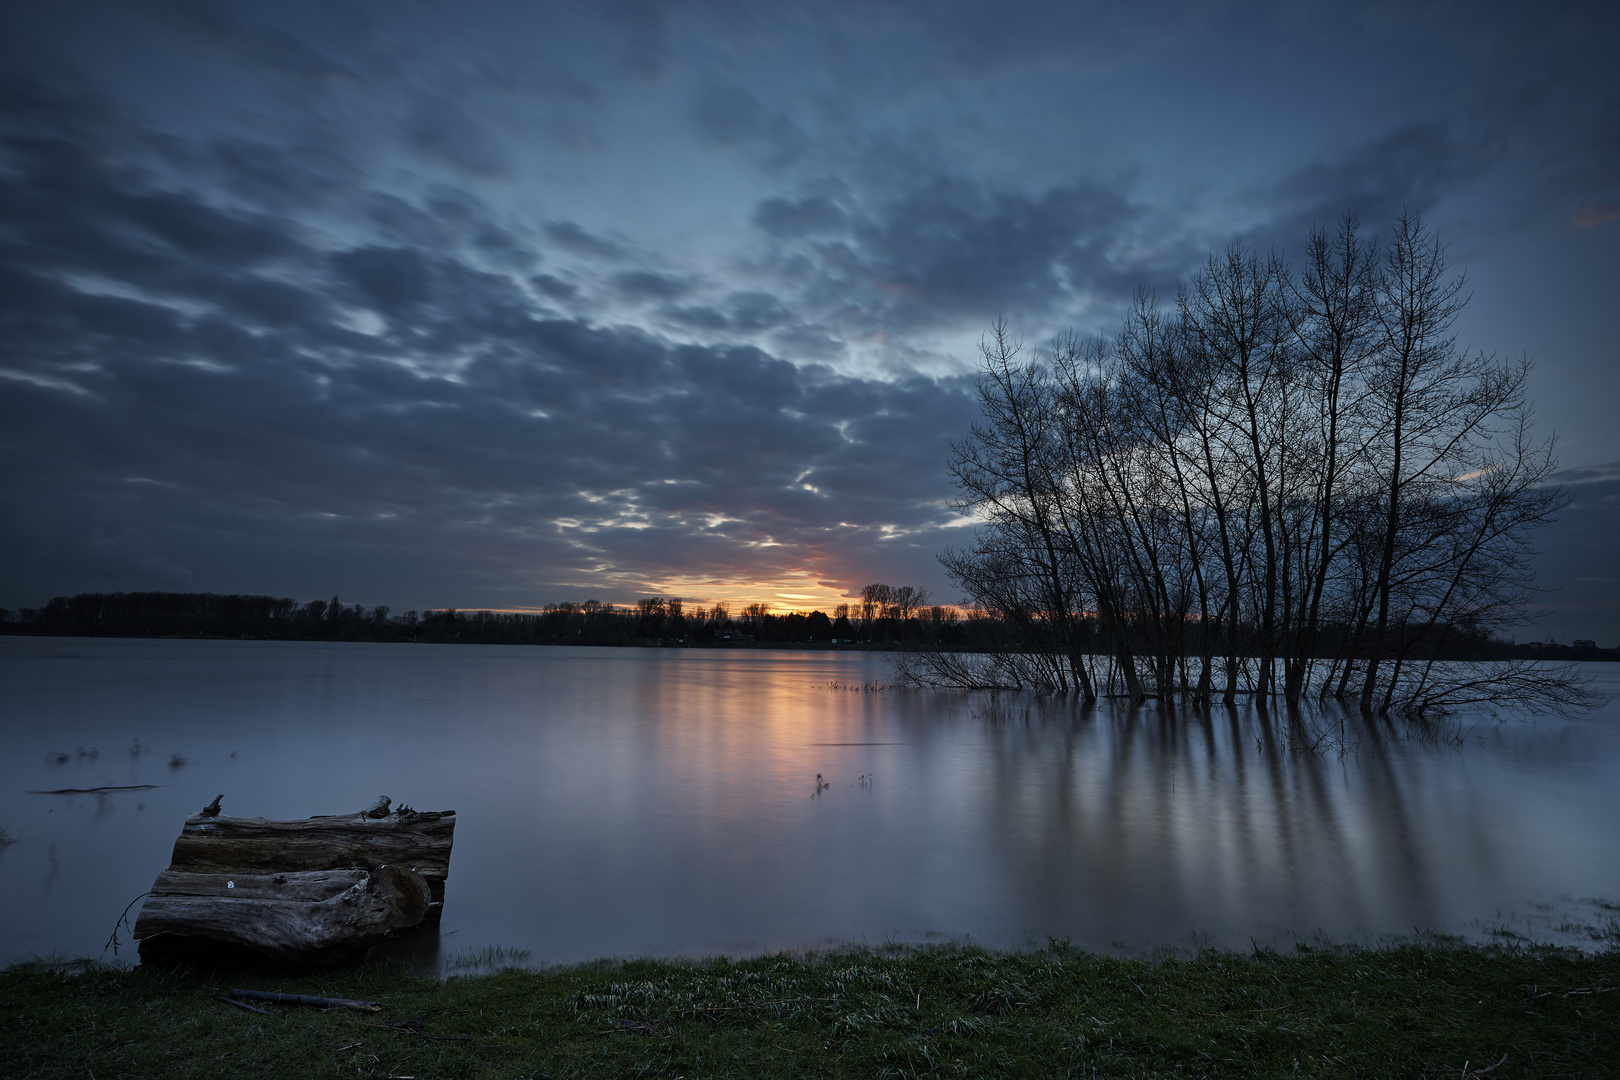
[[307, 918], [309, 892], [416, 840]]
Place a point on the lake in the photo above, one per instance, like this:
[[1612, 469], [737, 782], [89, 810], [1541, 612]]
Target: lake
[[618, 802]]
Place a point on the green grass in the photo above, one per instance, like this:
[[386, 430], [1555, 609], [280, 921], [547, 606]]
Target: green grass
[[1407, 1011]]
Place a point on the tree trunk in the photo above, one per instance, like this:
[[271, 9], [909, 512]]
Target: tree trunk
[[311, 918]]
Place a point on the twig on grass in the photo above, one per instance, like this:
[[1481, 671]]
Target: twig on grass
[[1472, 1074], [243, 1005], [1591, 990], [307, 999], [414, 1027], [1577, 992]]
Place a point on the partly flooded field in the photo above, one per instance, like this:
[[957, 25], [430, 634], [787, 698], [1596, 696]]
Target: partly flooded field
[[628, 801]]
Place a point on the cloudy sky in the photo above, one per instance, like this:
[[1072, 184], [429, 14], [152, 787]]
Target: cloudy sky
[[501, 303]]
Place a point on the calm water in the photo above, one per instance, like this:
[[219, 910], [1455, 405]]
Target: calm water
[[627, 801]]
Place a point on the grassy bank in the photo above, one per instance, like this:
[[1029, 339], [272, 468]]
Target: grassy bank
[[1409, 1011]]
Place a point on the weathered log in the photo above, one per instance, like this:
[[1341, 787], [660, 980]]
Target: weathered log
[[418, 841], [304, 917], [303, 892]]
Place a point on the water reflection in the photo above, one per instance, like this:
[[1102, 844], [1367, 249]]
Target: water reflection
[[619, 802], [1190, 819]]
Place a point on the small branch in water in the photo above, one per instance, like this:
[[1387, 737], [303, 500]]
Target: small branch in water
[[112, 941], [92, 790]]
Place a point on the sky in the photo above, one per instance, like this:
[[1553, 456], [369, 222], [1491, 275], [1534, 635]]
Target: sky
[[494, 304]]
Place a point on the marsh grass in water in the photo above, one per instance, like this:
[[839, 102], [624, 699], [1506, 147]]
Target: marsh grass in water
[[483, 961], [1408, 1011]]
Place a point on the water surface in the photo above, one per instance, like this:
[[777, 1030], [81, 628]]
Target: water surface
[[621, 802]]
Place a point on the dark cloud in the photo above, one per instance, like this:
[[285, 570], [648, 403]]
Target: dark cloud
[[955, 243], [273, 176], [1589, 474], [269, 46], [809, 342], [643, 29], [956, 250], [643, 285], [1413, 167], [445, 129], [392, 281], [700, 318], [757, 310], [732, 115], [791, 218], [554, 287], [574, 238], [1577, 565]]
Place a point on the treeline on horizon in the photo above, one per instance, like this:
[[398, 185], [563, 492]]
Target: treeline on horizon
[[885, 617]]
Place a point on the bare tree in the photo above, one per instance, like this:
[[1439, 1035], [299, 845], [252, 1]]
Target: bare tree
[[1295, 469], [1006, 472]]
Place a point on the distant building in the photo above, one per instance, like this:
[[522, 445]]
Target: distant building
[[1584, 643]]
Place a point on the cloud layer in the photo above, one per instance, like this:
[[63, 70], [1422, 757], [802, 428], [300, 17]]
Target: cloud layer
[[519, 304], [196, 391]]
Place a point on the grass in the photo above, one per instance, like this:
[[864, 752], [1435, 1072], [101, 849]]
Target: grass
[[1407, 1011]]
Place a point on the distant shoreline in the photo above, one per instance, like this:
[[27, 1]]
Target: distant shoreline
[[1507, 651], [655, 622]]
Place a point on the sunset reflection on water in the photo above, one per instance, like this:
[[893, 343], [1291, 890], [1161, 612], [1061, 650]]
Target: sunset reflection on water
[[635, 801]]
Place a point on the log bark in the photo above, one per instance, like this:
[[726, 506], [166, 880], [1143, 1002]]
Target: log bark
[[312, 918], [418, 841]]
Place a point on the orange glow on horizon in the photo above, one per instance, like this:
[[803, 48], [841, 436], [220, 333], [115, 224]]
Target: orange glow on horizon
[[781, 596]]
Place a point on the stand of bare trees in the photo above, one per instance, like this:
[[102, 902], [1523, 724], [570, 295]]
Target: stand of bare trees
[[1291, 485]]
